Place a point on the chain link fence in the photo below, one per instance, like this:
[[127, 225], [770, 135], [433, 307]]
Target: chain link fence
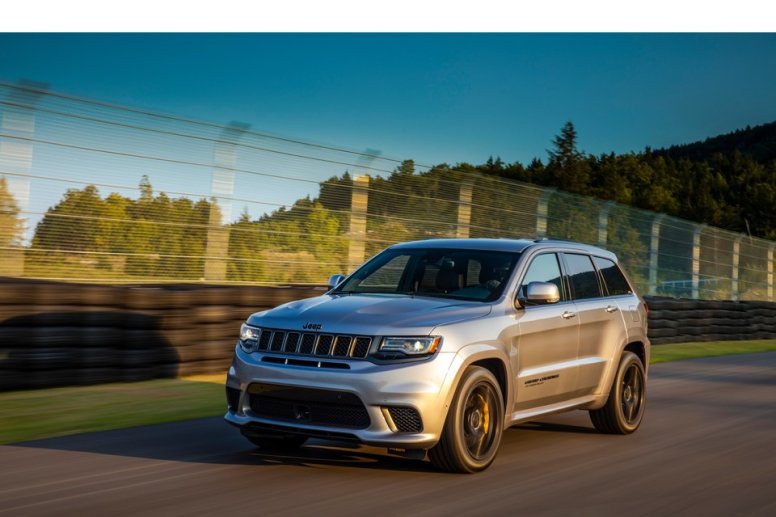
[[94, 192]]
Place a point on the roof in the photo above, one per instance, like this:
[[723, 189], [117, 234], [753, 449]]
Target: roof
[[514, 245]]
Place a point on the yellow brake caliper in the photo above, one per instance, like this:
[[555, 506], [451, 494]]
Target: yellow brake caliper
[[485, 414]]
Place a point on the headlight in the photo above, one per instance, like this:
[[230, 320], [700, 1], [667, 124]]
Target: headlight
[[410, 345], [249, 338]]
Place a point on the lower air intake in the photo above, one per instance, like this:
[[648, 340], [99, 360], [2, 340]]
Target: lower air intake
[[406, 419]]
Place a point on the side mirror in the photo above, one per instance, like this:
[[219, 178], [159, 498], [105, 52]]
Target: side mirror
[[542, 293], [335, 280]]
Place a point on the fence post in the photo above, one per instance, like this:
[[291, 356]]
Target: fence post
[[696, 260], [734, 268], [770, 271], [603, 223], [464, 209], [358, 209], [18, 120], [542, 212], [654, 253], [224, 162]]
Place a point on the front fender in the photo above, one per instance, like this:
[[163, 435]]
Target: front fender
[[469, 355]]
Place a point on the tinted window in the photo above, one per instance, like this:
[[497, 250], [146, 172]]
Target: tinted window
[[582, 275], [387, 277], [543, 268], [450, 273], [614, 280]]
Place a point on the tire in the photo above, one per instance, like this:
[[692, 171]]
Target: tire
[[273, 440], [624, 408], [475, 421]]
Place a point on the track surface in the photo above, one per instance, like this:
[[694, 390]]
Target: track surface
[[707, 446]]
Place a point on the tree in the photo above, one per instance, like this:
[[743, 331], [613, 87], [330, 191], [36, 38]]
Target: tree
[[74, 224], [11, 226], [567, 168]]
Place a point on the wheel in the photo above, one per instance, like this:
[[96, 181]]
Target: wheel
[[624, 408], [273, 440], [472, 430]]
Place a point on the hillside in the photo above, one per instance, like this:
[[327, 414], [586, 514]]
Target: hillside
[[757, 142]]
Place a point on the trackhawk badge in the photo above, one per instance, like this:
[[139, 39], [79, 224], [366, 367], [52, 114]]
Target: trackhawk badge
[[312, 326]]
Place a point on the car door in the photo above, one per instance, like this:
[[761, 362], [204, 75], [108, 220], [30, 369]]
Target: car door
[[601, 328], [547, 341]]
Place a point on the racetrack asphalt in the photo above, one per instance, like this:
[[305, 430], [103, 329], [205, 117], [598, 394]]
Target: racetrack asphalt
[[707, 446]]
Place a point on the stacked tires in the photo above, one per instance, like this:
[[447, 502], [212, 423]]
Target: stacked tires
[[677, 321], [57, 334]]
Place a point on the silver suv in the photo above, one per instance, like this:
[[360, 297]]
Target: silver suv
[[438, 346]]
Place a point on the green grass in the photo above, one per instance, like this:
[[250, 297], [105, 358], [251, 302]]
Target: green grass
[[679, 351], [35, 414]]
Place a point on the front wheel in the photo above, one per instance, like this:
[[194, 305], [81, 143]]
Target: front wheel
[[472, 431], [624, 408]]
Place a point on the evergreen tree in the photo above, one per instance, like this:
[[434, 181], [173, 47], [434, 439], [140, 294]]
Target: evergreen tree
[[567, 167]]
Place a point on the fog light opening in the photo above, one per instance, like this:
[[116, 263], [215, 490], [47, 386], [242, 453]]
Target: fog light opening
[[389, 420]]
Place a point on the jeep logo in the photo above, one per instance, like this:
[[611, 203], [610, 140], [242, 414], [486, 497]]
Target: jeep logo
[[312, 326]]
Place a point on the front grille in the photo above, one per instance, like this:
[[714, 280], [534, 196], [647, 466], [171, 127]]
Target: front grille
[[308, 406], [406, 419], [328, 345]]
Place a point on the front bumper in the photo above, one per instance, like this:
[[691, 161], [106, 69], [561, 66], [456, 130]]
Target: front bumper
[[424, 386]]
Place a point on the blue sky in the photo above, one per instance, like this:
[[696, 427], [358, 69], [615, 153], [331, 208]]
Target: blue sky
[[431, 97]]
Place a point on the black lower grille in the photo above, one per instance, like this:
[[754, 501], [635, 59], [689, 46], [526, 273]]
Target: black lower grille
[[406, 419], [308, 406]]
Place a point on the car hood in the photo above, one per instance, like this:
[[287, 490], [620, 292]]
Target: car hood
[[370, 314]]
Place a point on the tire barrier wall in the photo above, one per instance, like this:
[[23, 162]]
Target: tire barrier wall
[[678, 320], [61, 334]]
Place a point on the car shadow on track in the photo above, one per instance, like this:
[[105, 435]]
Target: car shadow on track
[[211, 441]]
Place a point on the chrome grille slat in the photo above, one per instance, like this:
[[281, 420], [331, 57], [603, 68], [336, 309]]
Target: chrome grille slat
[[314, 343], [308, 344], [292, 340], [324, 344], [264, 338], [342, 346], [277, 341], [361, 346]]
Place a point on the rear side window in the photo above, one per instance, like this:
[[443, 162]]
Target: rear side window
[[582, 276], [614, 280]]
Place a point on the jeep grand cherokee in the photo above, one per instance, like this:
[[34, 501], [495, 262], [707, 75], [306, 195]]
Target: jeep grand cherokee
[[437, 346]]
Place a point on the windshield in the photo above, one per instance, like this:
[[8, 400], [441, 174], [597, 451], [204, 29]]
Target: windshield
[[449, 273]]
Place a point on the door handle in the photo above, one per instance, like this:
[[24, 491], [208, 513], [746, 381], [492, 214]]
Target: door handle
[[611, 308], [568, 315]]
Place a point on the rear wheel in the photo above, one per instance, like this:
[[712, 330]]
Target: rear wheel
[[274, 441], [624, 408], [472, 431]]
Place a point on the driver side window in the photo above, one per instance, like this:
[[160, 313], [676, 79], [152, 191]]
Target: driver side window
[[543, 268]]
